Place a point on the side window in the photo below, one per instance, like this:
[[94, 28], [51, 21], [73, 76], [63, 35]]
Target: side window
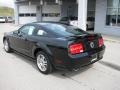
[[24, 30], [31, 30], [41, 33], [27, 30]]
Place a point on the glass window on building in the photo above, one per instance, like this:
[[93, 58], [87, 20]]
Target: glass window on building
[[113, 13]]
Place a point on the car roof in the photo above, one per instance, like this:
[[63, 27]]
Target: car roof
[[45, 23], [51, 22]]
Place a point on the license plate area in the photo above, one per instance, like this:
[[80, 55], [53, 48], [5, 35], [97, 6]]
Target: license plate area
[[94, 57], [92, 44]]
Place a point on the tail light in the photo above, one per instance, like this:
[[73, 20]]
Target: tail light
[[100, 42], [76, 48]]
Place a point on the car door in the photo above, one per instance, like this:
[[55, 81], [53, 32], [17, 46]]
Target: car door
[[16, 39], [25, 38]]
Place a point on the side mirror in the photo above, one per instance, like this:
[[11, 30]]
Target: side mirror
[[16, 32]]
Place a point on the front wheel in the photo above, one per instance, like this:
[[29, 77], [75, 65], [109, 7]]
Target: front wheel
[[7, 46], [43, 63]]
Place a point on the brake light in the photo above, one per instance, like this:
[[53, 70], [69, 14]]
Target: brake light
[[76, 48], [101, 42]]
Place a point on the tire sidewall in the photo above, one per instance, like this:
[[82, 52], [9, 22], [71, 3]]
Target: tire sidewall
[[49, 66], [9, 49]]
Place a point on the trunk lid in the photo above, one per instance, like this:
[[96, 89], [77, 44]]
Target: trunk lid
[[90, 41]]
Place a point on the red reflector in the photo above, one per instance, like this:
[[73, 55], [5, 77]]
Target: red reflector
[[76, 48], [101, 42]]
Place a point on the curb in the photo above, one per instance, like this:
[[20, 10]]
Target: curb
[[113, 41], [111, 65]]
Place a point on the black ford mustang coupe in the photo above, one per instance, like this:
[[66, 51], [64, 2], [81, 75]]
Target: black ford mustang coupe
[[55, 45]]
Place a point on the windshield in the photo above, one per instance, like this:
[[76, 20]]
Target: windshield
[[1, 17], [65, 30]]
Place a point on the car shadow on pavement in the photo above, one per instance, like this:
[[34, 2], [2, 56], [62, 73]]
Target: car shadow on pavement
[[56, 73], [69, 74], [111, 65], [26, 59]]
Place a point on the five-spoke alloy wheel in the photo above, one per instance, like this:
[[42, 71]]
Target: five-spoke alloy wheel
[[43, 62]]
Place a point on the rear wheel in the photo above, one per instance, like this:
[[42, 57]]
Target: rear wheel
[[43, 63], [7, 46]]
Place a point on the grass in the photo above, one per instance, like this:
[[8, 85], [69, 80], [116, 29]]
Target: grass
[[5, 11]]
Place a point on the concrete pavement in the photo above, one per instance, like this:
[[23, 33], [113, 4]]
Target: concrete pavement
[[114, 39]]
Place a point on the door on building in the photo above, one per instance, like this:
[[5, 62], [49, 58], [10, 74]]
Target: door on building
[[27, 14], [51, 13]]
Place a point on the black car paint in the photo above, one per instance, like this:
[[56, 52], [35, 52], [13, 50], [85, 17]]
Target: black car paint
[[56, 48]]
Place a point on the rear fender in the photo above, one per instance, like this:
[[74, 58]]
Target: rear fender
[[42, 47]]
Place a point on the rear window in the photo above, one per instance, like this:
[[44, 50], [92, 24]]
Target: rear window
[[65, 30]]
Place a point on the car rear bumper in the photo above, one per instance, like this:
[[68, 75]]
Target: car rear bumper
[[84, 59], [81, 62]]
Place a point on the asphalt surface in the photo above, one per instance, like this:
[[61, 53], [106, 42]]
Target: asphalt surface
[[18, 72]]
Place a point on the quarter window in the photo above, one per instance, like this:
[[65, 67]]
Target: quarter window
[[41, 33]]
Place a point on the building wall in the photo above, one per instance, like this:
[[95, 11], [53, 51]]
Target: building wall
[[91, 8], [52, 9], [73, 11], [100, 20], [16, 11], [39, 13]]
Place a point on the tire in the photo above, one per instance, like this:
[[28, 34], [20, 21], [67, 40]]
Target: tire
[[43, 63], [7, 46]]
